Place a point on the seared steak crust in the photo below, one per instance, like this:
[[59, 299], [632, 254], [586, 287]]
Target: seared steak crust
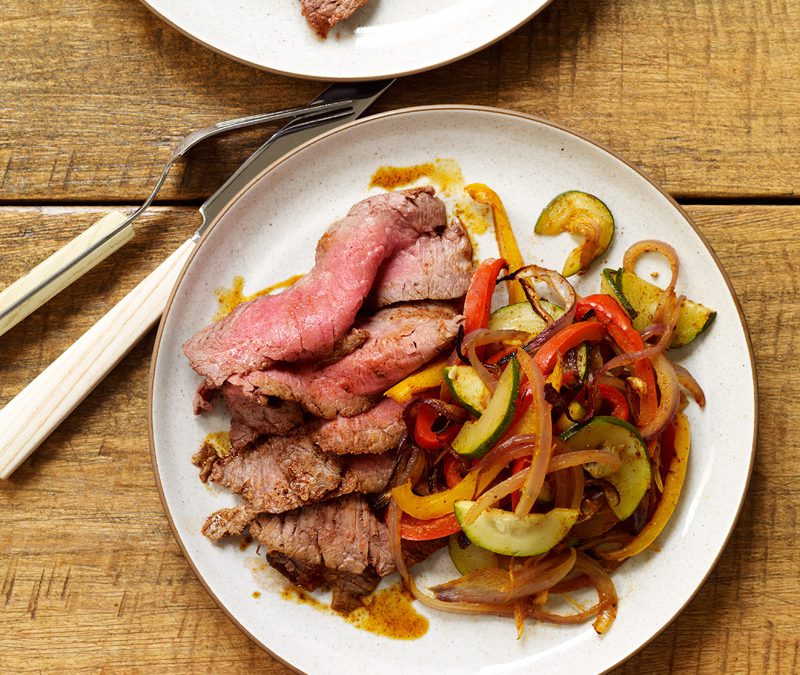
[[340, 543], [284, 473], [306, 321], [342, 535]]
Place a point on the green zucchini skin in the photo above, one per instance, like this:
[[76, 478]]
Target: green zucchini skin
[[520, 316], [506, 533], [643, 297], [632, 479], [569, 208], [476, 438], [467, 388]]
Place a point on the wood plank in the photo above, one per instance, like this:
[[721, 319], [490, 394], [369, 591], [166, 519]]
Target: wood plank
[[90, 570], [703, 95]]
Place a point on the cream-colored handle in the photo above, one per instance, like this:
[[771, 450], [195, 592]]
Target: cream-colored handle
[[63, 267], [37, 410]]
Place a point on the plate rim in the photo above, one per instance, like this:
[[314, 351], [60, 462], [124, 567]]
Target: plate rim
[[504, 112], [343, 78]]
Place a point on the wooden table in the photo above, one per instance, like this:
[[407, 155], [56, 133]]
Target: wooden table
[[703, 95]]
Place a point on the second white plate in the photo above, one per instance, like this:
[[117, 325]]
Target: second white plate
[[386, 38]]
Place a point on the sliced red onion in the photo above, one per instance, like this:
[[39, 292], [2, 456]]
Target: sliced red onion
[[581, 457], [691, 385], [670, 397], [532, 279], [664, 249], [543, 448], [606, 608], [482, 337]]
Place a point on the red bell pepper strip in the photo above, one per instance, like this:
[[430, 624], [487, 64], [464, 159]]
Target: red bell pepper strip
[[424, 435], [478, 302], [617, 399], [423, 530], [609, 312], [452, 469], [566, 339], [499, 356]]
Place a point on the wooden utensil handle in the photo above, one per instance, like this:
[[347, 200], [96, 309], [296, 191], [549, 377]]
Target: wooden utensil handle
[[38, 409], [55, 273]]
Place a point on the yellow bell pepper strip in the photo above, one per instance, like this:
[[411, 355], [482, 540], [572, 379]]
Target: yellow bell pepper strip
[[429, 377], [669, 498], [506, 241], [436, 505]]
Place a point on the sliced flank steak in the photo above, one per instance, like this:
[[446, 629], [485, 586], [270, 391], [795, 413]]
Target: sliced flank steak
[[401, 339], [284, 473], [307, 320], [254, 415], [332, 543], [436, 266], [372, 432]]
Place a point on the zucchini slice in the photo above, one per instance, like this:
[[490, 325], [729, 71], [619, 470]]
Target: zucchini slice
[[582, 360], [575, 212], [609, 284], [520, 316], [467, 388], [471, 558], [508, 534], [643, 296], [632, 479], [476, 438]]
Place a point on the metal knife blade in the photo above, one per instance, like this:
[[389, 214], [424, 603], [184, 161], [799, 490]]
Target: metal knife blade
[[297, 132]]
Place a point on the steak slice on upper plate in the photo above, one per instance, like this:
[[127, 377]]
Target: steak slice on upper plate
[[322, 15], [307, 320], [401, 339]]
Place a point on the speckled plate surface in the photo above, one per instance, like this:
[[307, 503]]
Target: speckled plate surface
[[268, 233], [385, 38]]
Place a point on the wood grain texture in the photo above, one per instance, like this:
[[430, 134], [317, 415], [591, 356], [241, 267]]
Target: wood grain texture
[[703, 95], [93, 579], [62, 268]]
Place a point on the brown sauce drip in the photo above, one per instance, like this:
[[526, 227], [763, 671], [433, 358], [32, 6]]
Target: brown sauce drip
[[448, 178], [219, 442], [388, 612], [445, 174], [230, 298]]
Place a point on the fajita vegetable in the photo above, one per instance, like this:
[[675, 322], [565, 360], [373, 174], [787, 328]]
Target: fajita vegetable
[[555, 447]]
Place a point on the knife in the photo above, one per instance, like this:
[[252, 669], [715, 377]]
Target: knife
[[33, 414]]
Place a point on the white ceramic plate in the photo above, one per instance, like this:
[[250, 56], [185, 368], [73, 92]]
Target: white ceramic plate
[[385, 38], [268, 233]]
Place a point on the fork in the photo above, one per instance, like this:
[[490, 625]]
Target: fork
[[114, 230]]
